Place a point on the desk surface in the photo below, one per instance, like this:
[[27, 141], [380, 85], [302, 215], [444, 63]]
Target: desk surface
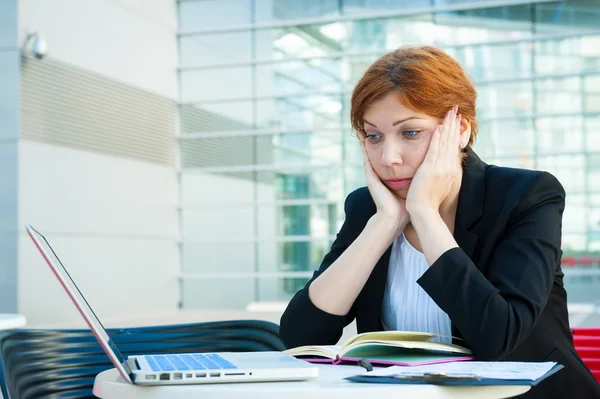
[[109, 385], [8, 321]]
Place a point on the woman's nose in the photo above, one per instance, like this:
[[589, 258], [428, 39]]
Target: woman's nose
[[391, 154]]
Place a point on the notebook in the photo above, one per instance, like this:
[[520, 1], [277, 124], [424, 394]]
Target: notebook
[[384, 348], [187, 368]]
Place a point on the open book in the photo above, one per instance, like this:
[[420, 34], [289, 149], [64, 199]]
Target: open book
[[402, 348]]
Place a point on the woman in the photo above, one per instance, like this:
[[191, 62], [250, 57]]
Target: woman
[[439, 241]]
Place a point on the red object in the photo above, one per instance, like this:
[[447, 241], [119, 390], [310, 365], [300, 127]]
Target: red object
[[569, 261], [593, 364], [583, 341], [585, 261], [586, 331], [588, 353], [587, 345]]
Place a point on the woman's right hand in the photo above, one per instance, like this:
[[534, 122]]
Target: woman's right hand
[[390, 207]]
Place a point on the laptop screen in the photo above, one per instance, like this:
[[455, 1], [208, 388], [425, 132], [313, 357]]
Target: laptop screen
[[78, 299]]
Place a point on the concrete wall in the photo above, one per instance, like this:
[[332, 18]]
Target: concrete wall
[[112, 220], [133, 41]]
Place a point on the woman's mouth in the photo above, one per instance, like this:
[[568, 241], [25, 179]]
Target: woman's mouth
[[397, 184]]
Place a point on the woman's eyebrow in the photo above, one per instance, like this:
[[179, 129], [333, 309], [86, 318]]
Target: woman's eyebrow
[[395, 123]]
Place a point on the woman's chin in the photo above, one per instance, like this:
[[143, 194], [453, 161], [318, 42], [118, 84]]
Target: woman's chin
[[401, 193]]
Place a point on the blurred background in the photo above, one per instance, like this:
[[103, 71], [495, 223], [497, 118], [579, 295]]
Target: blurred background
[[190, 159]]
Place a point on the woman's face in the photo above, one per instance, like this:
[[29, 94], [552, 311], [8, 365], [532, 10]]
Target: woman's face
[[397, 139]]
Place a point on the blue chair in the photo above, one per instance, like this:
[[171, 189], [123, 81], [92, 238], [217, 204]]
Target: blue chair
[[59, 364]]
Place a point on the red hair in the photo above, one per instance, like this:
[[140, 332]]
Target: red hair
[[426, 80]]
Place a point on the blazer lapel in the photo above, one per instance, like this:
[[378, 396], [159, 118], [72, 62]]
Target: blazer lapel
[[470, 203], [470, 209]]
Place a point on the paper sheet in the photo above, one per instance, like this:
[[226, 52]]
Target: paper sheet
[[484, 370]]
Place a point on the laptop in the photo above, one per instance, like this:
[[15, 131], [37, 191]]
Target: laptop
[[173, 369]]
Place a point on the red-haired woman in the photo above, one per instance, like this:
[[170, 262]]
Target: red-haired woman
[[439, 241]]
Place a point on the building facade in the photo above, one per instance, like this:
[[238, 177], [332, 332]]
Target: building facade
[[267, 154]]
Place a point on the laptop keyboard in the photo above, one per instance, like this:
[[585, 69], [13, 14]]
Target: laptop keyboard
[[188, 362]]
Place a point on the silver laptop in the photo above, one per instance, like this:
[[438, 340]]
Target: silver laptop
[[189, 368]]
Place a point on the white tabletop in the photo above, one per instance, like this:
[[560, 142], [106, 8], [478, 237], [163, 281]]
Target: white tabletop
[[330, 384], [8, 321]]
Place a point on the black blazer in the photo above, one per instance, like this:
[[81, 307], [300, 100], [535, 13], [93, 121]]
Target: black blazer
[[502, 289]]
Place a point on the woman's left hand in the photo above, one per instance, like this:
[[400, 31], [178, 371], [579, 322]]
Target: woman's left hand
[[434, 178]]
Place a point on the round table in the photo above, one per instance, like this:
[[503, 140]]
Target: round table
[[329, 384], [8, 321]]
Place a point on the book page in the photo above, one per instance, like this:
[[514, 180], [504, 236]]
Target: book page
[[328, 351], [363, 348], [390, 336]]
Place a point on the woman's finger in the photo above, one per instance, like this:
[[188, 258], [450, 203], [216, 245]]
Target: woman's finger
[[369, 172], [451, 150], [434, 146], [445, 132]]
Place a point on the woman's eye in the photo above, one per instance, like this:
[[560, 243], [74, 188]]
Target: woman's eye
[[373, 137], [411, 133]]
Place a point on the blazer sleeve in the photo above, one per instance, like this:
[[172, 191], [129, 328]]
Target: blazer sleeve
[[495, 313], [303, 323]]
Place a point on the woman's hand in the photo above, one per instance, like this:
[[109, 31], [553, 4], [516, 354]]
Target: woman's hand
[[440, 168], [390, 207]]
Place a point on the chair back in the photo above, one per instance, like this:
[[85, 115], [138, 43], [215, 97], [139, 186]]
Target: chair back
[[61, 364], [587, 345]]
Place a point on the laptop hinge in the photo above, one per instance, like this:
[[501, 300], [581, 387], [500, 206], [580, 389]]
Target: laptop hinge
[[133, 363]]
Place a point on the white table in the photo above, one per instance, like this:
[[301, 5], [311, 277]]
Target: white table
[[8, 321], [110, 385]]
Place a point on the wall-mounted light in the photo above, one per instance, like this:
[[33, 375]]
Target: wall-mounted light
[[36, 44]]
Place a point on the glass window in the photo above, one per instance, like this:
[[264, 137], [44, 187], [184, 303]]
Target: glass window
[[284, 187], [482, 25], [574, 242], [280, 289], [383, 35], [219, 48], [497, 100], [593, 173], [318, 111], [575, 215], [208, 292], [207, 14], [558, 96], [216, 84], [306, 147], [568, 169], [592, 132], [282, 10], [559, 135], [524, 162], [353, 7], [217, 257], [554, 16], [559, 56], [298, 77], [497, 61], [506, 137], [322, 182], [227, 151], [591, 88]]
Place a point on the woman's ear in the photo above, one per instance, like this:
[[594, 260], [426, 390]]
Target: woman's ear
[[465, 133]]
